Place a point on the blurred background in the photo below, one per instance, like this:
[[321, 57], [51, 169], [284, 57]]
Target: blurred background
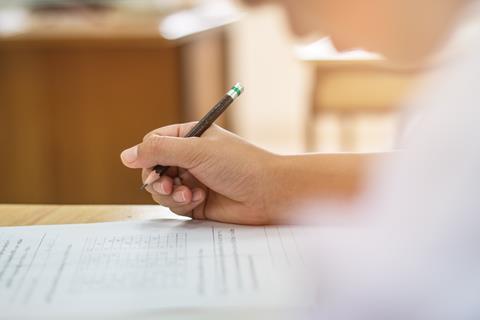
[[82, 80]]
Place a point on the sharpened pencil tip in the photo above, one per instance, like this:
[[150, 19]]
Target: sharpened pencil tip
[[144, 186]]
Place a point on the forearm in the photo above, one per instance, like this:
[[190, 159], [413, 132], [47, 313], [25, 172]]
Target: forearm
[[317, 177], [337, 175]]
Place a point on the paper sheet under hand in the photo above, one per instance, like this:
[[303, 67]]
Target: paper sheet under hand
[[153, 265]]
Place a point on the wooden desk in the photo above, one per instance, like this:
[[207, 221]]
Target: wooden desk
[[25, 215]]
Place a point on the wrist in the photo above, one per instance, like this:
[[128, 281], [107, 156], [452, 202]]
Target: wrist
[[297, 180], [280, 171]]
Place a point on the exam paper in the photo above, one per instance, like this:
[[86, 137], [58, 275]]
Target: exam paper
[[151, 265]]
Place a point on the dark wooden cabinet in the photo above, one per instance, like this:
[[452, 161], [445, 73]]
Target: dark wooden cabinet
[[68, 107]]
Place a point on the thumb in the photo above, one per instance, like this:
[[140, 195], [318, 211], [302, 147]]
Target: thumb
[[168, 151]]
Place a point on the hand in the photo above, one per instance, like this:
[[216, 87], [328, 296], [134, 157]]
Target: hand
[[217, 177]]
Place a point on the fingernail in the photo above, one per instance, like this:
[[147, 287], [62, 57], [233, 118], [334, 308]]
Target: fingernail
[[158, 187], [130, 155], [197, 195], [179, 197]]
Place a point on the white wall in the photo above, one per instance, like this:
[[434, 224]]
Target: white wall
[[271, 112]]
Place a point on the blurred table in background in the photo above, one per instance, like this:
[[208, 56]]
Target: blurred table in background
[[358, 92], [78, 87]]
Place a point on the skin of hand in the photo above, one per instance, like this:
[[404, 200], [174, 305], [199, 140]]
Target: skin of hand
[[221, 177], [217, 177]]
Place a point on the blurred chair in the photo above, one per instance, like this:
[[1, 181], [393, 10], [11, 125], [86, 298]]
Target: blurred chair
[[347, 87]]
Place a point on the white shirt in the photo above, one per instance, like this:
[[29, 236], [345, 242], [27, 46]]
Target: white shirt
[[419, 257]]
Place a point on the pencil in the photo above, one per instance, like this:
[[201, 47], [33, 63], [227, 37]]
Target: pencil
[[201, 126]]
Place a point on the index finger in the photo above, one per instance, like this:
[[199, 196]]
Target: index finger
[[174, 130]]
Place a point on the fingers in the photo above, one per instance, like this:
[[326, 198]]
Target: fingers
[[175, 130], [167, 146], [163, 186], [182, 200], [179, 191], [171, 172], [168, 151]]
